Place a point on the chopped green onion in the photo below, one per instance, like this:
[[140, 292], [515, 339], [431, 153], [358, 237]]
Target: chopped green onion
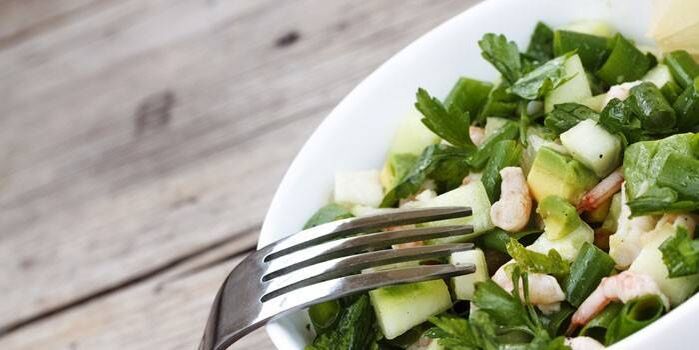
[[592, 49], [655, 113], [682, 67], [586, 272], [687, 107], [625, 63], [324, 315], [634, 316], [597, 327]]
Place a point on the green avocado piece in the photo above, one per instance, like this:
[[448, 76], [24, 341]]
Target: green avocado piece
[[554, 174], [560, 217]]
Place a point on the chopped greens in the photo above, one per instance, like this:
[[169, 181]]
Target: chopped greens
[[541, 43], [355, 329], [445, 163], [503, 55], [566, 115], [551, 264], [328, 213], [541, 80], [681, 254], [450, 124]]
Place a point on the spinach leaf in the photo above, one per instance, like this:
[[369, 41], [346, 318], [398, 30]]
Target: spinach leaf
[[356, 329], [541, 80], [660, 175], [448, 165], [566, 115], [541, 43], [328, 213], [503, 55], [450, 124], [551, 264], [681, 254]]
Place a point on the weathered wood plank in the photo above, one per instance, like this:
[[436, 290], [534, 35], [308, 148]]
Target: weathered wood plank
[[167, 312], [144, 131]]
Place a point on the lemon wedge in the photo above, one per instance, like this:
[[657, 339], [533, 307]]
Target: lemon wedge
[[676, 25]]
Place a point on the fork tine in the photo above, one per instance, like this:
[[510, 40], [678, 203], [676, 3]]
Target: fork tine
[[343, 228], [343, 266], [351, 245], [341, 287]]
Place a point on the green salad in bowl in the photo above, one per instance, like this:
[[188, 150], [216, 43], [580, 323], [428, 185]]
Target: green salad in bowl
[[581, 166]]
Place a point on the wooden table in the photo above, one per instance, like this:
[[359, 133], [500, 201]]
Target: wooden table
[[141, 142]]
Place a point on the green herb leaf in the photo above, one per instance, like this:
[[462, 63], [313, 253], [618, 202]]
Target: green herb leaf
[[504, 308], [551, 264], [479, 159], [681, 254], [445, 164], [328, 213], [503, 55], [450, 124], [541, 80], [566, 115], [500, 103], [618, 118]]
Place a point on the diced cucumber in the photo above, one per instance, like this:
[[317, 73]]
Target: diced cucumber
[[464, 286], [568, 246], [358, 187], [592, 145], [650, 262], [399, 308], [596, 103], [493, 124], [659, 75], [412, 135], [471, 195], [396, 166], [575, 90], [592, 27]]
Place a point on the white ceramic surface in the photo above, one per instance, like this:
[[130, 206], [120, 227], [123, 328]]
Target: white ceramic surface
[[358, 131]]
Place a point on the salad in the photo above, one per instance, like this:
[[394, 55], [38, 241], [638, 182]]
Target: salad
[[581, 166]]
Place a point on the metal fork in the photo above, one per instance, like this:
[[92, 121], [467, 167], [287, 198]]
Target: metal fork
[[323, 263]]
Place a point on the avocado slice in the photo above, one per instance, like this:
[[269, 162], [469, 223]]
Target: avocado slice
[[560, 218], [553, 174]]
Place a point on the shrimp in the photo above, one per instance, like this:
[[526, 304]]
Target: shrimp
[[583, 343], [477, 135], [602, 192], [620, 91], [471, 177], [543, 289], [623, 287], [626, 244], [511, 212]]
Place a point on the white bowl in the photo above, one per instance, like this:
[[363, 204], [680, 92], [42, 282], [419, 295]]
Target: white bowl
[[357, 133]]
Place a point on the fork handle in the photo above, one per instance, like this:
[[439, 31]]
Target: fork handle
[[224, 327]]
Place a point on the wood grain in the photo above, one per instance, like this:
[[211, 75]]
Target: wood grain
[[137, 135]]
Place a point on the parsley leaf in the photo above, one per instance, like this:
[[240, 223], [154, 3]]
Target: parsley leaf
[[618, 118], [566, 115], [551, 264], [451, 124], [502, 54], [504, 308], [541, 80], [681, 254], [445, 164]]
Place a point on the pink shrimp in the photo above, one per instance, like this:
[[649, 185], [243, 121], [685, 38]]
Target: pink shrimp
[[511, 212], [622, 287], [602, 192], [477, 135]]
